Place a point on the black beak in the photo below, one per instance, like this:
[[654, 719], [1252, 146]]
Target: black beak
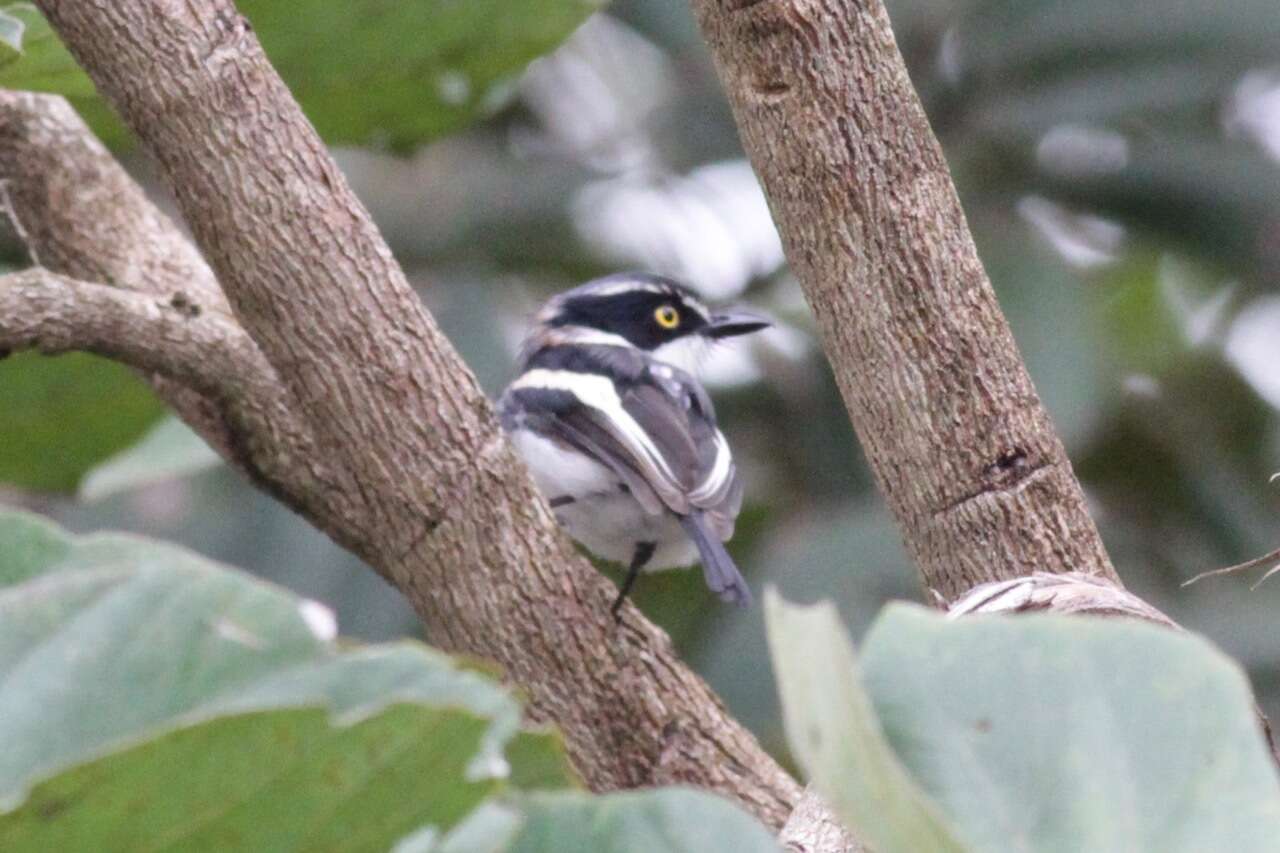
[[730, 324]]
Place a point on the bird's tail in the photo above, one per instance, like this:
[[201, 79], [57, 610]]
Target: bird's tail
[[717, 566]]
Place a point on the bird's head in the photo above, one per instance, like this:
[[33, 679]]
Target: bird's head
[[648, 312]]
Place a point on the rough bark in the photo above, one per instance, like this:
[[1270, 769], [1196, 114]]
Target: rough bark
[[439, 504], [960, 445]]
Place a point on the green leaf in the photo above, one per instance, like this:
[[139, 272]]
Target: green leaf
[[1050, 733], [61, 416], [401, 74], [673, 820], [168, 451], [836, 737], [123, 659], [32, 56]]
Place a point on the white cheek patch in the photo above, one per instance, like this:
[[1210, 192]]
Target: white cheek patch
[[686, 353]]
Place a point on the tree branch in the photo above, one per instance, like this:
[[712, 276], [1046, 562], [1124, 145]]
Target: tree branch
[[437, 501], [961, 447], [42, 310], [80, 214], [184, 351]]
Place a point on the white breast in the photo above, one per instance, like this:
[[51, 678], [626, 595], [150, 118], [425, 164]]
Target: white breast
[[603, 517]]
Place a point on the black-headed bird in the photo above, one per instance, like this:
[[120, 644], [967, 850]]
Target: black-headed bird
[[618, 433]]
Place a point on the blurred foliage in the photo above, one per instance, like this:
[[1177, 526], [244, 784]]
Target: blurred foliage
[[1037, 733], [1118, 165]]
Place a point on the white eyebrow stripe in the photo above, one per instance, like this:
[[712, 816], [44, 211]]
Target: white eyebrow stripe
[[586, 335], [698, 306], [598, 392], [625, 287]]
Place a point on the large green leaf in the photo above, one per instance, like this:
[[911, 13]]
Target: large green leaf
[[364, 71], [672, 820], [1046, 733], [402, 73], [272, 781], [61, 416], [1037, 733], [169, 450], [128, 666], [835, 735]]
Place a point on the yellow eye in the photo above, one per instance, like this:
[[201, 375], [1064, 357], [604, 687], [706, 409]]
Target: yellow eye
[[667, 316]]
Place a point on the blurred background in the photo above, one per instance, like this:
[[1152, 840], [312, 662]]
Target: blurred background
[[1119, 161]]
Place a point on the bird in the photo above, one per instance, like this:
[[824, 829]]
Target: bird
[[619, 434]]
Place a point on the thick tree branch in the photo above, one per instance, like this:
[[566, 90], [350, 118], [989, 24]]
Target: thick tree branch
[[83, 216], [438, 502], [961, 447]]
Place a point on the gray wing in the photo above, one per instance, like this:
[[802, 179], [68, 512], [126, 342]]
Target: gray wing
[[658, 435]]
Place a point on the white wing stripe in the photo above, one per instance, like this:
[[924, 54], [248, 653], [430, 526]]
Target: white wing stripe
[[598, 393], [718, 475]]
